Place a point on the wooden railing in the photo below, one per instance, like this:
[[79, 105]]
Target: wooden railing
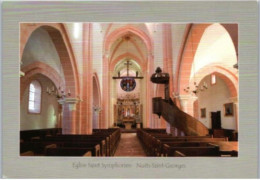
[[179, 119]]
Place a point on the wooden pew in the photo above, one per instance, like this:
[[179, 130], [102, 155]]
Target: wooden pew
[[153, 142], [68, 151], [107, 139], [178, 154], [72, 151], [192, 151], [88, 154]]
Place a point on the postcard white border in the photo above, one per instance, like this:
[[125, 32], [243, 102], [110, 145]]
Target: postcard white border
[[243, 13]]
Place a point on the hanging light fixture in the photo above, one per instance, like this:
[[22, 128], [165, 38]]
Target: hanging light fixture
[[59, 93], [196, 87], [96, 108]]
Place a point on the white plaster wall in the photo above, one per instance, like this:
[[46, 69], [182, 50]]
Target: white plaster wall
[[213, 100], [215, 47], [48, 117], [41, 48]]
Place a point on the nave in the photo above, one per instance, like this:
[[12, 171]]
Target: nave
[[111, 142], [129, 146], [82, 85]]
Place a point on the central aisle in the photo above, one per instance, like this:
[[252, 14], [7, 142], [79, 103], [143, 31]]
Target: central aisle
[[129, 145]]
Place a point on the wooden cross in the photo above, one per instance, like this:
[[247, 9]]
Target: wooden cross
[[128, 63], [127, 67]]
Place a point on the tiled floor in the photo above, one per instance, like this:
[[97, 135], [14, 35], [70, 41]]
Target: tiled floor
[[129, 146]]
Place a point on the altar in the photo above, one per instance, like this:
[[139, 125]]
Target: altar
[[127, 112], [128, 122]]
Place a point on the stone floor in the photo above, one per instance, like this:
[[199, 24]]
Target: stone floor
[[129, 146]]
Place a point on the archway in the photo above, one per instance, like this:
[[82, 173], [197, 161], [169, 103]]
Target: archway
[[49, 115], [58, 35], [127, 92], [220, 91], [207, 45], [197, 37], [108, 63], [40, 68]]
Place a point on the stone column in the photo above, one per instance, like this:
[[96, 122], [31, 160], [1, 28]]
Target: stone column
[[187, 106], [105, 93], [87, 78], [150, 91], [69, 106], [187, 103]]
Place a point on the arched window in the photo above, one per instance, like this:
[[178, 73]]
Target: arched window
[[213, 79], [35, 91]]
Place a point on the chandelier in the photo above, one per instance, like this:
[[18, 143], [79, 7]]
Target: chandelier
[[58, 93], [195, 89], [96, 108]]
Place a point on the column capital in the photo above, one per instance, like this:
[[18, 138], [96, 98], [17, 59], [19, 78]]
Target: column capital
[[69, 101]]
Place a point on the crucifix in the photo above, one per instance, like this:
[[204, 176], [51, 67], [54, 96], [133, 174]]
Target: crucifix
[[128, 63], [127, 67]]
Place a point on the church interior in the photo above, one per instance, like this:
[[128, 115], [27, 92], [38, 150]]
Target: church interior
[[129, 89]]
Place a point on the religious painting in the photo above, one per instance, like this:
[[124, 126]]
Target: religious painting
[[203, 112], [228, 109], [128, 84]]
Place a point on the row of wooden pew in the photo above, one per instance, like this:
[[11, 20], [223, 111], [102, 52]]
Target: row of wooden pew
[[161, 144], [26, 135], [103, 142]]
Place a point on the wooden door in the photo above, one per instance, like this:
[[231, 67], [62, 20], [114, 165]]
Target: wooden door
[[216, 120]]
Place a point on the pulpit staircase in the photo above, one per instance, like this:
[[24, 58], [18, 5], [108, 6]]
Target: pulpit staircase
[[166, 108]]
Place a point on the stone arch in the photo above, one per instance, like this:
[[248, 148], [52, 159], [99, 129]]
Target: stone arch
[[193, 36], [108, 41], [125, 30], [39, 68], [58, 34], [134, 44], [227, 76], [122, 56]]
